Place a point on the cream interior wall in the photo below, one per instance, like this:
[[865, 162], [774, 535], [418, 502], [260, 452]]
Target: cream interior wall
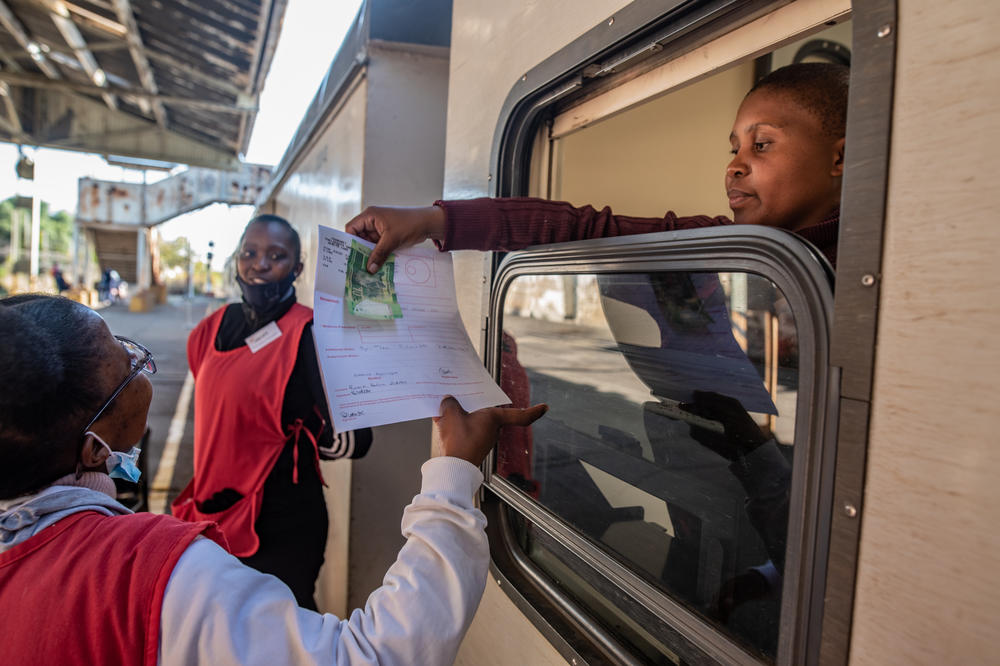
[[667, 154], [928, 573], [840, 33]]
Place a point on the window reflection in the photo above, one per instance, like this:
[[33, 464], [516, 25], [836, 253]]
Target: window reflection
[[668, 441]]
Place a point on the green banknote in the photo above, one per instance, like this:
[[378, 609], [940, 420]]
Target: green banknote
[[367, 295]]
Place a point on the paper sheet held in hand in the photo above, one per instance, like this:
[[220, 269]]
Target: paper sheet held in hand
[[386, 371]]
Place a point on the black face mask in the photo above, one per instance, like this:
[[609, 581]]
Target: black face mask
[[265, 297]]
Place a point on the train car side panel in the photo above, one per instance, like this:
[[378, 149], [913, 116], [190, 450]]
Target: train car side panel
[[928, 575], [334, 162]]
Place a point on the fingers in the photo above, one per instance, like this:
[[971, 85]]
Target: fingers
[[515, 416], [472, 436], [383, 248], [450, 406], [363, 226], [391, 228], [520, 416]]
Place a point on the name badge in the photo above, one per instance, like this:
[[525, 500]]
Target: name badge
[[263, 337]]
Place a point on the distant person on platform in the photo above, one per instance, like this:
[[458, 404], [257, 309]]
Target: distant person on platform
[[57, 275]]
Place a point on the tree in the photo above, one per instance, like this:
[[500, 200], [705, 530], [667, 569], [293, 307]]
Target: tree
[[174, 253], [6, 216], [57, 228]]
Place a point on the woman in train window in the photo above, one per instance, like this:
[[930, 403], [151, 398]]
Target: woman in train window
[[261, 417], [787, 143]]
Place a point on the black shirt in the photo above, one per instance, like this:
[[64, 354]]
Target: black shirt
[[304, 396]]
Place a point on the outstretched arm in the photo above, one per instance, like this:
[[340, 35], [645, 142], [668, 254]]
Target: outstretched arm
[[216, 610], [503, 224]]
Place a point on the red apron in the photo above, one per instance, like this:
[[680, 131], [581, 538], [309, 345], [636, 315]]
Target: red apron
[[89, 589], [238, 434]]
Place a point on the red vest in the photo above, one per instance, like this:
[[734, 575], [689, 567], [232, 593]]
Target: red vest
[[89, 589], [238, 434]]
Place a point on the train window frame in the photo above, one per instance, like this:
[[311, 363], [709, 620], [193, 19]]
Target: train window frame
[[643, 35], [805, 281]]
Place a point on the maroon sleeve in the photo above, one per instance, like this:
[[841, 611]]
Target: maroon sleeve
[[516, 223]]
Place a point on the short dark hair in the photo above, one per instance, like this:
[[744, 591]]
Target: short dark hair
[[818, 87], [270, 218], [48, 364]]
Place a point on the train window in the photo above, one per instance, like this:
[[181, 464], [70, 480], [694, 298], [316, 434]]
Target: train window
[[670, 434], [673, 505], [656, 155], [663, 490]]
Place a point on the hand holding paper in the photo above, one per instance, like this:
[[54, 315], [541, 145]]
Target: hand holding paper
[[472, 436], [379, 371]]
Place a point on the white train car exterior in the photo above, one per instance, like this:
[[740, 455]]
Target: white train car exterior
[[374, 132], [891, 547]]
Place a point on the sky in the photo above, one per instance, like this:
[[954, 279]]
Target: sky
[[311, 33]]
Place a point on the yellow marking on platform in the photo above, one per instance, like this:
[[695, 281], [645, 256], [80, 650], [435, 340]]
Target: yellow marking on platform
[[165, 470]]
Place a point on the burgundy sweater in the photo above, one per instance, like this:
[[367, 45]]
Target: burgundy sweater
[[516, 223]]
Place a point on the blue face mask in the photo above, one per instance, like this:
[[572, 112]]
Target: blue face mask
[[120, 465]]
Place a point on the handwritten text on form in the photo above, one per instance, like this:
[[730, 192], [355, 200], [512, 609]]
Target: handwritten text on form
[[379, 372]]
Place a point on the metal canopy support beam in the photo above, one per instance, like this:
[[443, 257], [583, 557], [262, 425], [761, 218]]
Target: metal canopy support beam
[[31, 81], [221, 85], [15, 28], [93, 129], [97, 21], [264, 26], [61, 17], [8, 61], [100, 47], [124, 10], [15, 121], [190, 106]]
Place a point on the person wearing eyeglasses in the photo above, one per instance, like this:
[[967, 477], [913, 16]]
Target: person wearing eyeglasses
[[261, 419], [83, 580]]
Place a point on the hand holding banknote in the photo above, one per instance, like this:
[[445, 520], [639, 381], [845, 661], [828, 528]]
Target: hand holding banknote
[[372, 296], [392, 228]]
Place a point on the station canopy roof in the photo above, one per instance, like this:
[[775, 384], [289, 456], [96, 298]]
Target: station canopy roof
[[175, 81]]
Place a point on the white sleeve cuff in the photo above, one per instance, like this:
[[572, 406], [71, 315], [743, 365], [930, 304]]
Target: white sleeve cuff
[[454, 478]]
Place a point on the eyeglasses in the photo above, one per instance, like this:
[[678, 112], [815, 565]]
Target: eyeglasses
[[142, 361]]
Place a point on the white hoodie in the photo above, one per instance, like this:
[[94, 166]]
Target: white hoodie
[[218, 611]]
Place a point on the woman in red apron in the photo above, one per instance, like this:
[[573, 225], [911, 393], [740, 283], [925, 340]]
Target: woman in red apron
[[261, 417], [85, 581]]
